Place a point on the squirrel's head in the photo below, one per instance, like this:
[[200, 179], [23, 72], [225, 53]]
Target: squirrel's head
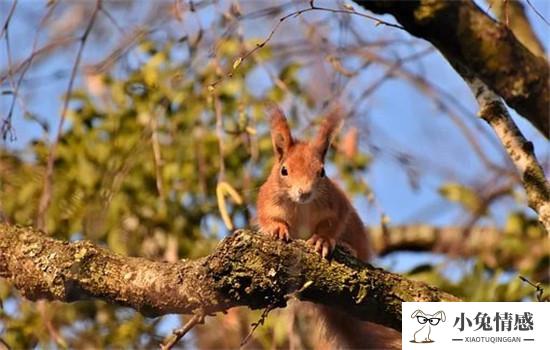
[[300, 167]]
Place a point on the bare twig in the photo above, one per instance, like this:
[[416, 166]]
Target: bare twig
[[54, 44], [45, 198], [435, 94], [181, 332], [45, 313], [6, 123], [313, 7], [350, 10], [122, 48], [443, 100], [294, 14], [255, 325], [537, 286], [111, 19], [538, 13], [8, 18]]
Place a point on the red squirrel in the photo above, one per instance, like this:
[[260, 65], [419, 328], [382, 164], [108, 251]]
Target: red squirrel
[[298, 198]]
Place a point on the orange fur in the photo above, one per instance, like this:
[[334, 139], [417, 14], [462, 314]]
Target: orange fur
[[303, 203]]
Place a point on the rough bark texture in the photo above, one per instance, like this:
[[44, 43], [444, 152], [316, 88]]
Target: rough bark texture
[[246, 269], [468, 37]]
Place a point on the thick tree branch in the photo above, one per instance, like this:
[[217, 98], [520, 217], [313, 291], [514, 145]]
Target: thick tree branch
[[469, 38], [246, 269], [489, 244]]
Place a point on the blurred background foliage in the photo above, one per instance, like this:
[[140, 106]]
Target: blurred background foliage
[[170, 120]]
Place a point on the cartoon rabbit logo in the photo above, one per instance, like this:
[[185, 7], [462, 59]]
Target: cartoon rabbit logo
[[422, 335]]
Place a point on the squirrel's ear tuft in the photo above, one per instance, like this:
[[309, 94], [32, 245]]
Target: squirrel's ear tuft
[[328, 128], [280, 132]]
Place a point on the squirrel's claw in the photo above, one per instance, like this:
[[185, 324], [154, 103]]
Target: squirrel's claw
[[279, 231], [322, 245]]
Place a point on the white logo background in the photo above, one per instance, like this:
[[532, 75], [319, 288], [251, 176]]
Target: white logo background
[[489, 325]]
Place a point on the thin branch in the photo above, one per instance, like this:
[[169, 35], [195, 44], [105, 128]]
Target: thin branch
[[124, 46], [538, 288], [352, 11], [255, 325], [6, 127], [57, 42], [45, 198], [46, 316], [111, 19], [439, 96], [8, 18], [181, 332], [435, 94], [538, 13], [294, 14], [520, 150]]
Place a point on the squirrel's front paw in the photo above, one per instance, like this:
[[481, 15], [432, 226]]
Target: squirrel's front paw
[[322, 245], [278, 230]]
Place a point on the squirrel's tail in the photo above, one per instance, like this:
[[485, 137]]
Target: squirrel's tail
[[343, 331]]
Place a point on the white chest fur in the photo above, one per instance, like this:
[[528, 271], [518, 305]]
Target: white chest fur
[[304, 221]]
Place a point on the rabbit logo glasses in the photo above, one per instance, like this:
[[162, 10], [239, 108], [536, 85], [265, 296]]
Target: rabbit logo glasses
[[426, 322]]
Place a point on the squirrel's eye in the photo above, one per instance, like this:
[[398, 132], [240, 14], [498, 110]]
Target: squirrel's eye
[[322, 173], [284, 171]]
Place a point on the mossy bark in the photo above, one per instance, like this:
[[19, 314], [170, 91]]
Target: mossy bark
[[247, 269]]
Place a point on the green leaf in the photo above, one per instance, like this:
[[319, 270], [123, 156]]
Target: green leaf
[[462, 195]]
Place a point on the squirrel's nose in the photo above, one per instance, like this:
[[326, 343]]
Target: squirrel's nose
[[303, 194]]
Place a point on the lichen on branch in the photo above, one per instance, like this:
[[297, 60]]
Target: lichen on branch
[[246, 269]]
